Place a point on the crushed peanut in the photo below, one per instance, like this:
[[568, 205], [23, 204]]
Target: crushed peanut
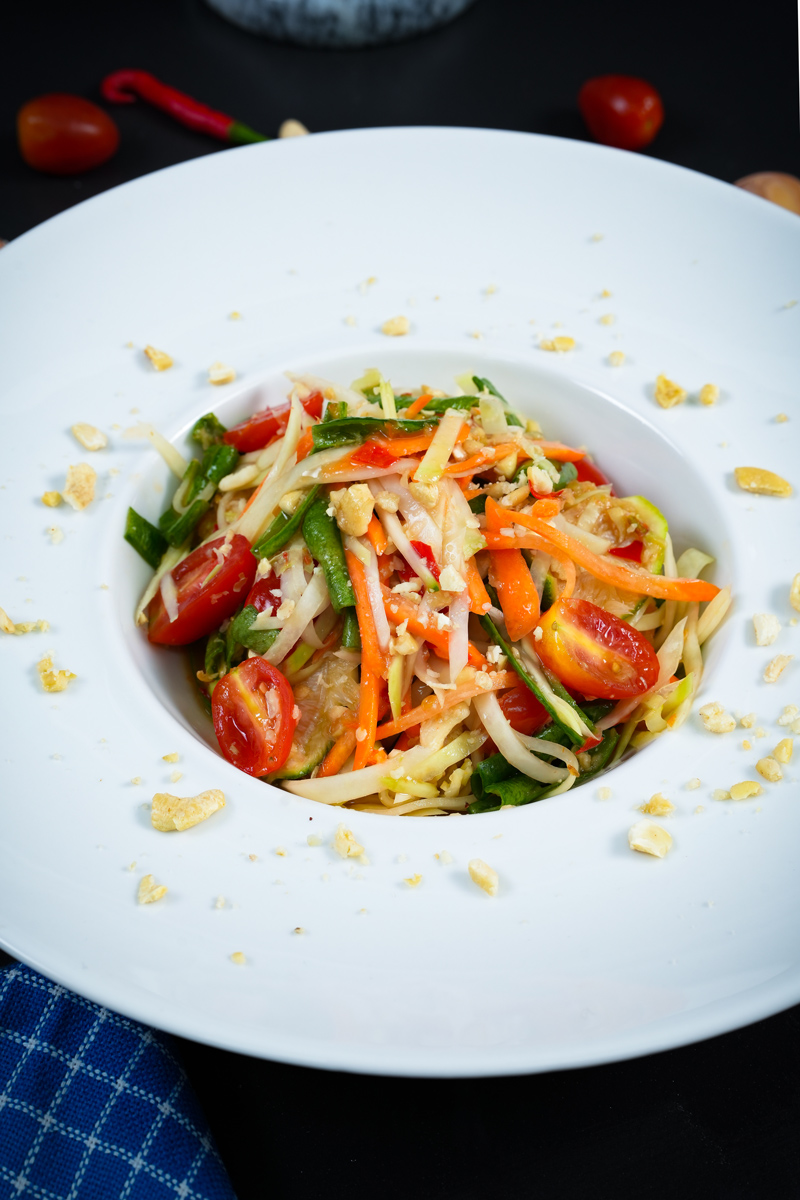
[[159, 358], [776, 666], [9, 626], [607, 319], [748, 721], [746, 745], [396, 326], [79, 489], [794, 593], [616, 358], [769, 768], [53, 681], [413, 880], [169, 813], [387, 502], [709, 394], [314, 840], [292, 128], [238, 958], [345, 844], [667, 393], [56, 534], [482, 874], [89, 436], [171, 758], [715, 719], [604, 793], [657, 806], [790, 711], [649, 838], [699, 809], [559, 345], [51, 499], [693, 784], [219, 373], [784, 750], [745, 789], [767, 627], [721, 794], [150, 891], [353, 508], [764, 483]]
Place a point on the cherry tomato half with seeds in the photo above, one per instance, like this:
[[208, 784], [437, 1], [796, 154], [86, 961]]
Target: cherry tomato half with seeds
[[257, 431], [253, 712], [594, 652], [588, 472], [203, 600], [522, 710], [65, 135], [621, 111]]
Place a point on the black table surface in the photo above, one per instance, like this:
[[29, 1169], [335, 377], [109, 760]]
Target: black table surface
[[719, 1118]]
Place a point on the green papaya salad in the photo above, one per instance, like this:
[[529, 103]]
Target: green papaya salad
[[413, 603]]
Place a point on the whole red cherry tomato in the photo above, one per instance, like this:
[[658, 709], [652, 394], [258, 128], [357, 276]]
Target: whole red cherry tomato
[[621, 111], [65, 135]]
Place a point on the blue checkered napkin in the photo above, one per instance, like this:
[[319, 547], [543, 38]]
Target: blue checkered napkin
[[93, 1106]]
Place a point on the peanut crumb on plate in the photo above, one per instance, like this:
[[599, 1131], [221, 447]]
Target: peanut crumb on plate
[[79, 488], [649, 838], [89, 436], [616, 358], [291, 127], [280, 851], [604, 793], [769, 769], [720, 794], [52, 680], [715, 719], [561, 344], [790, 711], [766, 627], [51, 499], [219, 373], [794, 593], [657, 806], [784, 750], [693, 784], [748, 721], [709, 394], [484, 875], [238, 958], [20, 627], [170, 813], [396, 326], [345, 843], [150, 891], [171, 758], [776, 666], [667, 393], [314, 840], [159, 358], [762, 482], [746, 789], [780, 418], [700, 809], [413, 880]]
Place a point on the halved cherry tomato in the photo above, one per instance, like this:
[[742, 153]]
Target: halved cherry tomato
[[257, 431], [621, 111], [595, 652], [589, 473], [65, 135], [373, 454], [633, 551], [522, 710], [265, 594], [204, 600], [253, 712]]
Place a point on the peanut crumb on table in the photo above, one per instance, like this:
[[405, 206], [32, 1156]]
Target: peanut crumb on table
[[150, 891], [668, 393], [709, 394], [238, 958], [746, 789], [484, 876], [776, 666], [649, 838], [396, 326]]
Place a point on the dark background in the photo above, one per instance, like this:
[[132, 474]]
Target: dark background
[[719, 1119]]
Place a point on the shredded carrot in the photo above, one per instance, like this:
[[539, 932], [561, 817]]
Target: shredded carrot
[[377, 536], [305, 445], [252, 498], [372, 664], [338, 754], [399, 608], [559, 451], [482, 460], [417, 405], [377, 754], [510, 575], [479, 601], [431, 707], [416, 444], [385, 567], [469, 492], [609, 570], [546, 508]]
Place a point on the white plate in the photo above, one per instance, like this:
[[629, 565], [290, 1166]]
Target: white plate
[[589, 952]]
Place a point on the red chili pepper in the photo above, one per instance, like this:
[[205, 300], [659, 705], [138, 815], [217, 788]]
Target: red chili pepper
[[426, 554], [633, 551], [124, 86]]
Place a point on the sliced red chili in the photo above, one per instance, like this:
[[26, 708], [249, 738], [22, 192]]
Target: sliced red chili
[[632, 551]]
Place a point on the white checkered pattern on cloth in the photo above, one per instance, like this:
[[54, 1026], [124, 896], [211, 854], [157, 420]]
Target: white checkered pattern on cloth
[[94, 1106]]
